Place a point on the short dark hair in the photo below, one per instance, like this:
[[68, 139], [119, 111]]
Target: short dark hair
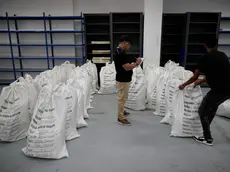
[[124, 38], [211, 42]]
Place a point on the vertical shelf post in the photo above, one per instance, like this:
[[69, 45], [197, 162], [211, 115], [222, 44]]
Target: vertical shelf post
[[11, 46], [46, 41], [82, 41], [19, 48]]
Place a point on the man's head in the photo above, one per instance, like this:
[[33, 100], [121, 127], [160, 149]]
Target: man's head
[[211, 44], [125, 42]]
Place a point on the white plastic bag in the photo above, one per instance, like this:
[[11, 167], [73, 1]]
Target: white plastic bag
[[80, 121], [80, 83], [185, 118], [70, 97], [33, 94], [14, 112], [172, 87], [224, 109], [108, 79], [161, 85], [46, 135], [153, 76], [137, 91]]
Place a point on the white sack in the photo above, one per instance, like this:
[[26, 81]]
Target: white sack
[[224, 109], [161, 85], [46, 134], [80, 121], [108, 79], [70, 97], [186, 121], [172, 87], [14, 112], [81, 83], [137, 91], [153, 76], [33, 94]]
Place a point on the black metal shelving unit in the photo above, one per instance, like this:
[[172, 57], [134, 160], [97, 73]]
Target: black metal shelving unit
[[102, 33], [98, 39], [173, 33], [199, 27], [130, 24]]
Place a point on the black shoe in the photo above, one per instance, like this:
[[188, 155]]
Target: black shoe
[[203, 141], [124, 122], [126, 113]]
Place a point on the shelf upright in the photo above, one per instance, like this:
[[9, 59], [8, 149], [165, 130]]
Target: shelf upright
[[51, 40], [82, 39], [18, 42], [11, 47], [224, 35], [46, 41]]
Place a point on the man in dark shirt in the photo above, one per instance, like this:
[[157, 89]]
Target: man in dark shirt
[[216, 68], [124, 70]]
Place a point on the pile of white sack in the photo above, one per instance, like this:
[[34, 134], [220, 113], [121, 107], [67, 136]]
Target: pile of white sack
[[49, 109], [179, 108]]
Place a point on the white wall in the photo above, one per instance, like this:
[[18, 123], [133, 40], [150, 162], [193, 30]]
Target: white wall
[[68, 7], [181, 6], [75, 7]]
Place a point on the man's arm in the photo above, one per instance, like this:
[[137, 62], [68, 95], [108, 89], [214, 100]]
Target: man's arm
[[129, 67], [191, 80], [200, 81]]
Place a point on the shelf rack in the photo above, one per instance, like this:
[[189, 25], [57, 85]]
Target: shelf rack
[[130, 24], [102, 32], [199, 27], [224, 35], [12, 29], [173, 25]]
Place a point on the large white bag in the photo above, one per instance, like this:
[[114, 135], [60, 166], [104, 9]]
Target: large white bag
[[46, 134], [14, 112], [108, 79], [170, 65], [224, 109], [186, 121], [70, 97], [80, 121], [137, 91], [161, 85], [33, 94], [151, 87], [93, 69], [172, 87], [82, 80]]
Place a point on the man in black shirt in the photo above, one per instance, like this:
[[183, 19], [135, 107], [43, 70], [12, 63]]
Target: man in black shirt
[[124, 70], [216, 68]]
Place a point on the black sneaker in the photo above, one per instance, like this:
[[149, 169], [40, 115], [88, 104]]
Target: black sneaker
[[124, 122], [126, 113], [203, 141]]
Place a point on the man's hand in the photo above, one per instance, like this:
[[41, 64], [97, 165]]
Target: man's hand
[[181, 87], [139, 60]]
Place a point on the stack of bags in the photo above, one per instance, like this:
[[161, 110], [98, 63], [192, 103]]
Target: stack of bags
[[48, 109], [178, 107]]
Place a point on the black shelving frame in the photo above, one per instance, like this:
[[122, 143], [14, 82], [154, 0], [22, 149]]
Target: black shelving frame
[[130, 24], [199, 27], [173, 34]]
